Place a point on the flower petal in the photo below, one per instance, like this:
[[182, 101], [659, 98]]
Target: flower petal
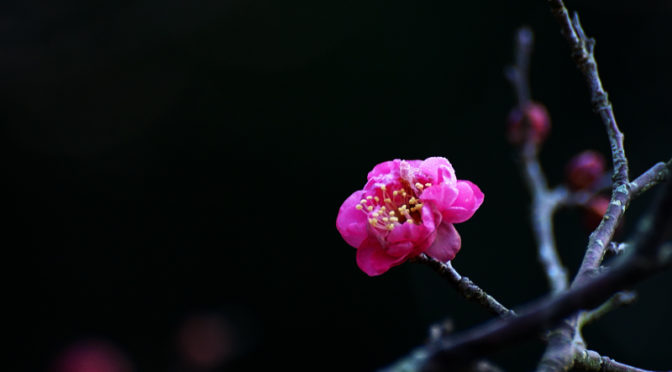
[[447, 243], [351, 222], [469, 198], [384, 169], [441, 196], [372, 259], [410, 239], [438, 170]]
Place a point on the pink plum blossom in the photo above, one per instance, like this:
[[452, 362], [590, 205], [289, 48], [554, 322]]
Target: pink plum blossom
[[406, 208]]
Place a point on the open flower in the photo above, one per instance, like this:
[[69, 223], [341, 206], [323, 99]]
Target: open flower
[[406, 208]]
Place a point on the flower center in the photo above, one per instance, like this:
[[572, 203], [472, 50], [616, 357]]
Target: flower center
[[388, 208]]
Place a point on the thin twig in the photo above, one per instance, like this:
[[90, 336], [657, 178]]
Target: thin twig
[[656, 174], [415, 360], [544, 204], [465, 287], [591, 361], [582, 52], [544, 201], [618, 300]]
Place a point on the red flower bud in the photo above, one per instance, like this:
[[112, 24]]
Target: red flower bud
[[594, 211], [537, 127], [584, 169]]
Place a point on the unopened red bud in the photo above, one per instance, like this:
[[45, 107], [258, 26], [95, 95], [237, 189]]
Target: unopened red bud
[[594, 211], [533, 123], [584, 169]]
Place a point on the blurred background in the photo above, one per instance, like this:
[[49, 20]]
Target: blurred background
[[174, 170]]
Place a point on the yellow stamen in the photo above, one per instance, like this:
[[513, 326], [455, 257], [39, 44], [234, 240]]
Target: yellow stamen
[[359, 206], [417, 207]]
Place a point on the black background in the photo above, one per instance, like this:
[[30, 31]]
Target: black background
[[170, 157]]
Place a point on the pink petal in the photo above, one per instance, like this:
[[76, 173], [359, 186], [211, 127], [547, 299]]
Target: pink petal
[[438, 170], [411, 239], [384, 168], [400, 248], [407, 236], [351, 222], [465, 205], [373, 260], [441, 196], [447, 243]]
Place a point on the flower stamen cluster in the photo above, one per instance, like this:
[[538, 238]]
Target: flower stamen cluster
[[393, 209]]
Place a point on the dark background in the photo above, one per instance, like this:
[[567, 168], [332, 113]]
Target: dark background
[[165, 158]]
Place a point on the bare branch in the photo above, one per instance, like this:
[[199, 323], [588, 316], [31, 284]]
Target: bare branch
[[582, 53], [544, 201], [465, 286], [618, 300], [562, 348], [591, 361], [656, 174], [646, 259]]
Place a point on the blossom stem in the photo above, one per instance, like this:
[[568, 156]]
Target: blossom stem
[[465, 287]]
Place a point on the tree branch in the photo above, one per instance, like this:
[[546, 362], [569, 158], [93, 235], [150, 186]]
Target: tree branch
[[656, 174], [465, 286], [544, 201], [647, 258], [563, 348], [589, 289], [591, 361], [582, 53], [619, 299]]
